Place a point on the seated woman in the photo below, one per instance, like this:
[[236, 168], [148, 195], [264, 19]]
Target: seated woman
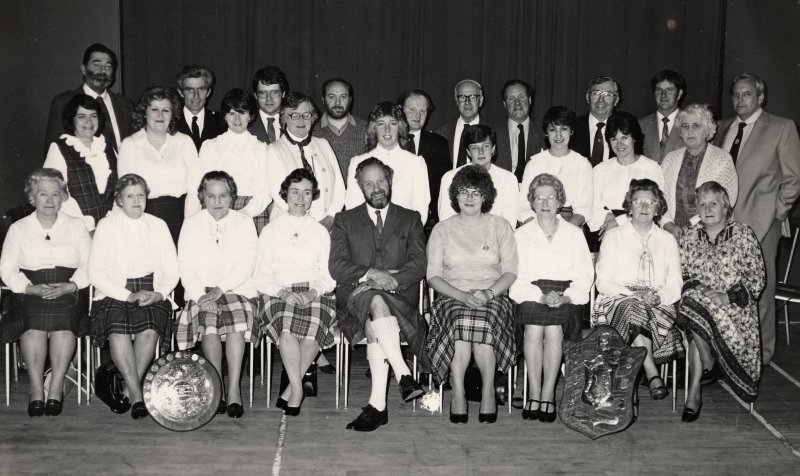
[[216, 257], [555, 275], [639, 281], [723, 272], [87, 162], [292, 273], [694, 164], [472, 261], [44, 264], [133, 267]]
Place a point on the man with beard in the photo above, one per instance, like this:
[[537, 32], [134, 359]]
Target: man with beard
[[378, 259], [270, 87], [517, 139], [195, 85], [345, 132], [603, 95], [469, 100], [99, 71]]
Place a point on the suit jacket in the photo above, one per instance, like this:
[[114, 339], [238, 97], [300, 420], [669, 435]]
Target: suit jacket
[[448, 130], [433, 148], [769, 171], [259, 129], [581, 143], [651, 126], [533, 144], [213, 126], [123, 110]]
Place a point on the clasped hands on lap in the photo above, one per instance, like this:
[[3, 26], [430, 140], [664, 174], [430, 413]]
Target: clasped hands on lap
[[145, 298], [51, 291], [554, 299], [378, 279]]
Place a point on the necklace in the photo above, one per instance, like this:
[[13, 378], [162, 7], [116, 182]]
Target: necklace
[[549, 235]]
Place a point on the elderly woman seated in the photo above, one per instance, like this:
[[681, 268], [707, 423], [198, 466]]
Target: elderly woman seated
[[639, 281], [216, 256], [555, 274], [44, 264], [299, 310], [133, 267], [472, 261], [723, 272]]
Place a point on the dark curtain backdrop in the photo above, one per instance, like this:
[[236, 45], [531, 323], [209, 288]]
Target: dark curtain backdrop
[[384, 47]]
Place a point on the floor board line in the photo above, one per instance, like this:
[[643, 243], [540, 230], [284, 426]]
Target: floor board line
[[785, 374], [276, 462]]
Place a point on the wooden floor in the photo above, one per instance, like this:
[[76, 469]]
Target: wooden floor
[[727, 439]]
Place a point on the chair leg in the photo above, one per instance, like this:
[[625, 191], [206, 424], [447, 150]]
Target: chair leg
[[512, 371], [346, 370], [80, 367], [89, 372], [524, 383], [261, 358], [15, 348], [8, 375], [338, 368], [252, 356], [674, 384], [414, 374], [786, 321]]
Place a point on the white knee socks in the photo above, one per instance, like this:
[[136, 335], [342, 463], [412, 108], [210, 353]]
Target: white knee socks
[[387, 332], [379, 369]]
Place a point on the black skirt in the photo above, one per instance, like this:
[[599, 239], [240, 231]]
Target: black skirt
[[169, 209], [568, 316]]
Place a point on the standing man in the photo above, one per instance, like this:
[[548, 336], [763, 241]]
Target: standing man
[[469, 99], [195, 85], [378, 258], [270, 87], [517, 141], [603, 95], [766, 151], [661, 130], [99, 70], [346, 133], [417, 106]]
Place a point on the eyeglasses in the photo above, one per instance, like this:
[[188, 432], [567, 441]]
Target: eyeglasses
[[275, 93], [195, 91], [604, 95], [296, 116], [541, 198], [465, 194], [100, 67], [470, 97], [645, 203]]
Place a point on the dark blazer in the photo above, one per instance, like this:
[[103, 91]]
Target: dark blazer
[[580, 141], [651, 126], [533, 143], [433, 148], [213, 126], [448, 130], [259, 129], [123, 110]]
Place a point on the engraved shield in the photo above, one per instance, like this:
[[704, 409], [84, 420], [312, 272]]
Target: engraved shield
[[601, 378]]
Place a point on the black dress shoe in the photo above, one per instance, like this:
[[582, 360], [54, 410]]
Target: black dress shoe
[[488, 417], [281, 403], [529, 414], [689, 414], [547, 416], [369, 420], [139, 411], [291, 411], [410, 389], [458, 417], [35, 408], [235, 410], [53, 407], [327, 369], [709, 376], [222, 407], [660, 392]]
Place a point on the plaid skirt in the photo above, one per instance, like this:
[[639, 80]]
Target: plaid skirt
[[69, 312], [236, 314], [452, 320], [632, 317], [110, 316], [260, 220], [313, 321], [169, 209], [568, 316]]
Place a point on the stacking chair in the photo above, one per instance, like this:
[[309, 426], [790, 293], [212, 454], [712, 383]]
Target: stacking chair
[[786, 292]]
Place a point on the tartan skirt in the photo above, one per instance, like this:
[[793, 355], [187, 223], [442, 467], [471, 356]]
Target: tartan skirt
[[68, 312], [313, 321], [568, 316], [452, 320], [169, 209], [236, 314], [110, 316], [632, 317], [260, 220]]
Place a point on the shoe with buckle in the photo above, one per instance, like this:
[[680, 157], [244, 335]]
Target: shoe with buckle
[[660, 392], [53, 407], [689, 414], [410, 389], [369, 420]]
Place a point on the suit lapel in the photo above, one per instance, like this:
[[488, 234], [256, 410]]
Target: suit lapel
[[755, 135], [389, 224]]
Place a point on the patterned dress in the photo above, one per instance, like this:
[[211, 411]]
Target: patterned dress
[[731, 263]]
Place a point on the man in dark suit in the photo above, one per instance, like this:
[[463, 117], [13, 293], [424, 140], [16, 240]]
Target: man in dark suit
[[195, 85], [469, 99], [766, 151], [661, 129], [518, 138], [99, 71], [417, 106], [603, 95], [270, 87], [378, 259]]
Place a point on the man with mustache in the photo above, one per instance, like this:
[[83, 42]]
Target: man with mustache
[[378, 259], [99, 72], [661, 129], [469, 100], [603, 95], [345, 132], [518, 138]]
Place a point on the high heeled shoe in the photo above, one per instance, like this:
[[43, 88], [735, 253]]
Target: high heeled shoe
[[138, 410], [709, 376], [546, 416], [660, 392], [488, 417], [458, 417], [689, 414], [281, 403], [221, 406], [35, 408], [292, 411], [53, 407], [235, 410], [529, 414]]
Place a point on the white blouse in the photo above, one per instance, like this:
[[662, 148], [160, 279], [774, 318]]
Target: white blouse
[[575, 173], [565, 258], [505, 203], [27, 247], [124, 248], [619, 260], [293, 250], [410, 188], [95, 157], [611, 181], [220, 254], [167, 170], [243, 157]]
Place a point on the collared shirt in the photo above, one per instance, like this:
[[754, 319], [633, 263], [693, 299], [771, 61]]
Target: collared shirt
[[505, 203], [167, 169], [593, 130], [325, 122], [201, 118], [734, 129], [371, 211], [513, 137], [457, 136], [276, 124], [575, 173], [416, 136], [670, 123], [109, 107]]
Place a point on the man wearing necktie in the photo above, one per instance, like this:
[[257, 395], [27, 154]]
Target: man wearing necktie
[[603, 95], [766, 151], [270, 87], [661, 131], [518, 137], [469, 100], [99, 70], [195, 85]]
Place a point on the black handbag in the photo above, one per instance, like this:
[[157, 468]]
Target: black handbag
[[108, 388], [309, 381], [473, 385]]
